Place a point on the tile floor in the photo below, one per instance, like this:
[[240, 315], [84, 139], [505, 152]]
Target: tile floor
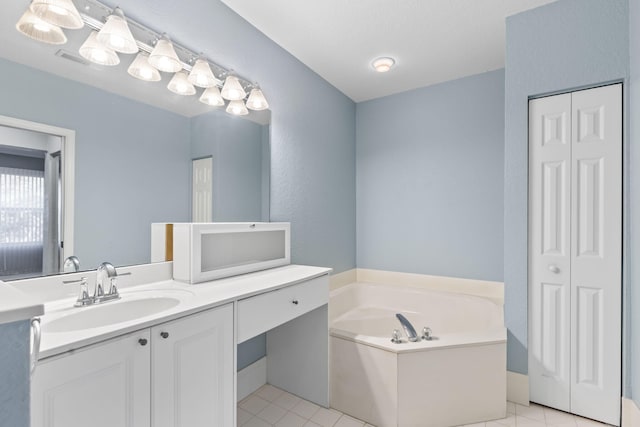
[[271, 407]]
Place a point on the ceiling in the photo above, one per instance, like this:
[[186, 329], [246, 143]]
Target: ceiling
[[431, 40]]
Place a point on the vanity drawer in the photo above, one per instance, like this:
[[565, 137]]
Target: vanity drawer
[[262, 312]]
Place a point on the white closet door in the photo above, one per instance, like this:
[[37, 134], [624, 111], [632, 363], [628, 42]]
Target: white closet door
[[550, 250], [575, 252], [596, 253]]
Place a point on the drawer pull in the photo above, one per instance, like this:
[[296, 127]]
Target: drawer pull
[[164, 335], [295, 301], [142, 341]]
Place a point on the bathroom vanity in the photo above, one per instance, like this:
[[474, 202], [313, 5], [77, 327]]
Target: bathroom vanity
[[165, 353]]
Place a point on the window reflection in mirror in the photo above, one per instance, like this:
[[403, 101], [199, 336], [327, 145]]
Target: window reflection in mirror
[[30, 203]]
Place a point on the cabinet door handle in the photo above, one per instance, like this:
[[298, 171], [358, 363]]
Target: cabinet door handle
[[164, 335], [142, 341], [35, 349], [295, 301]]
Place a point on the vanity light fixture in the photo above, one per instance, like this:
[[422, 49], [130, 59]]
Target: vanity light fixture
[[61, 13], [116, 34], [142, 70], [180, 84], [32, 26], [211, 96], [164, 56], [237, 108], [201, 74], [98, 53], [256, 100], [232, 89], [113, 32], [383, 64]]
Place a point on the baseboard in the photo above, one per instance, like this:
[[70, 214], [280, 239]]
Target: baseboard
[[483, 288], [342, 279], [630, 413], [252, 378], [518, 388]]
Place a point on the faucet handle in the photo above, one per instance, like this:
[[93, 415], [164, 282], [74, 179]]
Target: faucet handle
[[395, 337], [427, 334], [83, 298]]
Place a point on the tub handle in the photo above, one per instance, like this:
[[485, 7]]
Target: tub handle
[[395, 337], [427, 334]]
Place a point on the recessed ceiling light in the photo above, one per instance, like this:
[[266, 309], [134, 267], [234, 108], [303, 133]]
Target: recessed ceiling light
[[384, 64]]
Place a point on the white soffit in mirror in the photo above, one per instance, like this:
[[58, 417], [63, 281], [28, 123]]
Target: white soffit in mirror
[[432, 40]]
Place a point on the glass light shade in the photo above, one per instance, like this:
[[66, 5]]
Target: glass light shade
[[32, 26], [237, 108], [98, 53], [115, 33], [61, 13], [212, 97], [201, 74], [256, 100], [180, 85], [382, 65], [141, 69], [164, 57], [232, 89]]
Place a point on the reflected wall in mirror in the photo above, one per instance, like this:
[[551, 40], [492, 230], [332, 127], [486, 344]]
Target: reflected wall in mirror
[[133, 162]]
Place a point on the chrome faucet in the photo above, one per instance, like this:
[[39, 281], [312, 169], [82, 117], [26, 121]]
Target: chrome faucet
[[71, 264], [104, 290], [105, 276], [408, 328]]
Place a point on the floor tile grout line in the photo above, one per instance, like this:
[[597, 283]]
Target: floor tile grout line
[[546, 416]]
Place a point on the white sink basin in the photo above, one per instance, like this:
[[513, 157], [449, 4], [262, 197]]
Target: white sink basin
[[109, 313]]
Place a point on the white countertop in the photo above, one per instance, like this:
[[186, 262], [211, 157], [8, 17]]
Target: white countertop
[[198, 297], [16, 305]]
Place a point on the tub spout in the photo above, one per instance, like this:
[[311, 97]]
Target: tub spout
[[408, 328]]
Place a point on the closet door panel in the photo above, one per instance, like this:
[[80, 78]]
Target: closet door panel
[[549, 250], [596, 253]]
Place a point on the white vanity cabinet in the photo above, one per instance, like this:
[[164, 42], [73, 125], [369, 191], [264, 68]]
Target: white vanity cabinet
[[103, 385], [192, 370], [179, 373]]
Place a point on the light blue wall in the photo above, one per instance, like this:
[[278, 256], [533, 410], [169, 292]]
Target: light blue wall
[[14, 374], [235, 145], [633, 316], [115, 138], [312, 136], [312, 126], [564, 45], [429, 179]]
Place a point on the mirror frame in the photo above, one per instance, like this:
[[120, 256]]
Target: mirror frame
[[68, 153]]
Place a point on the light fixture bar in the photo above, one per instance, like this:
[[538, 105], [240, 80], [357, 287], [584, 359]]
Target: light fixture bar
[[93, 14]]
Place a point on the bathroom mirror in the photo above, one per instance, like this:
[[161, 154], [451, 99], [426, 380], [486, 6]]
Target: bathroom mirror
[[134, 146]]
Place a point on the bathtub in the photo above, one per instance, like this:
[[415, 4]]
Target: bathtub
[[457, 378]]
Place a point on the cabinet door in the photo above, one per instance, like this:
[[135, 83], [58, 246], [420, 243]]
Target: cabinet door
[[192, 368], [104, 385]]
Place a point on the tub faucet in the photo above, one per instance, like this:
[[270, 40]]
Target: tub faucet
[[408, 328]]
